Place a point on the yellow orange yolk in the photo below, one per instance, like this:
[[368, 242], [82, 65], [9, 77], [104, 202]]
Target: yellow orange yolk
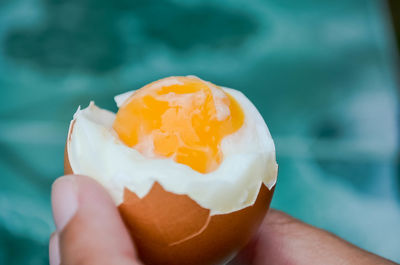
[[184, 118]]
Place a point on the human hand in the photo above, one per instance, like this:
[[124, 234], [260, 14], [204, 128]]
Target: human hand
[[284, 240], [89, 230]]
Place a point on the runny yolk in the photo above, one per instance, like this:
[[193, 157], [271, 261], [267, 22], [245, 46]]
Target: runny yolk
[[184, 118]]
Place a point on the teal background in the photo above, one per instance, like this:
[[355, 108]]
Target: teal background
[[322, 73]]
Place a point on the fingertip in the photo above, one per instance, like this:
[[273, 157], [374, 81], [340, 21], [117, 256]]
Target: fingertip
[[71, 192]]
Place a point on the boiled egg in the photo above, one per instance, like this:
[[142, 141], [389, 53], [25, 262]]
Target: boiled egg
[[190, 165]]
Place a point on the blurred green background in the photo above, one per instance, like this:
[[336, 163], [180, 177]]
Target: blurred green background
[[322, 73]]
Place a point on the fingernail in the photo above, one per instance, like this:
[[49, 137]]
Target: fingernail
[[54, 250], [64, 198]]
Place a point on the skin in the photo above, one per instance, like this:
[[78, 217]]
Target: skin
[[90, 231]]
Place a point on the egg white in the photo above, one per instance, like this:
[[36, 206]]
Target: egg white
[[95, 150]]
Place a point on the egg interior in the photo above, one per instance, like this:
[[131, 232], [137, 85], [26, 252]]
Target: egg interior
[[184, 118], [188, 135]]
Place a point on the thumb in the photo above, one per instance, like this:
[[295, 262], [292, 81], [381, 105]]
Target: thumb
[[89, 227]]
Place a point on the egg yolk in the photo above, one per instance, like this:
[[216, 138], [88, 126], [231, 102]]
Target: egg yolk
[[184, 118]]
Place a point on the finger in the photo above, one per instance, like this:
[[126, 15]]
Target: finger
[[285, 240], [90, 229], [54, 253]]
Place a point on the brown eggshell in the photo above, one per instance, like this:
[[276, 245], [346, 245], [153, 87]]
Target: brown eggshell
[[173, 229]]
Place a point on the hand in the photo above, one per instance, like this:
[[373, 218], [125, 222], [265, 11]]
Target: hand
[[284, 240], [90, 231]]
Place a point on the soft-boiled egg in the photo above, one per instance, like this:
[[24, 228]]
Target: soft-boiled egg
[[190, 165]]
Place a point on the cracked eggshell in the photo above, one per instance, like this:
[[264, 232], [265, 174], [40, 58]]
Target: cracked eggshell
[[173, 229]]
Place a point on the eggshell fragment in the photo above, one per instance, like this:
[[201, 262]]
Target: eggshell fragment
[[172, 229]]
